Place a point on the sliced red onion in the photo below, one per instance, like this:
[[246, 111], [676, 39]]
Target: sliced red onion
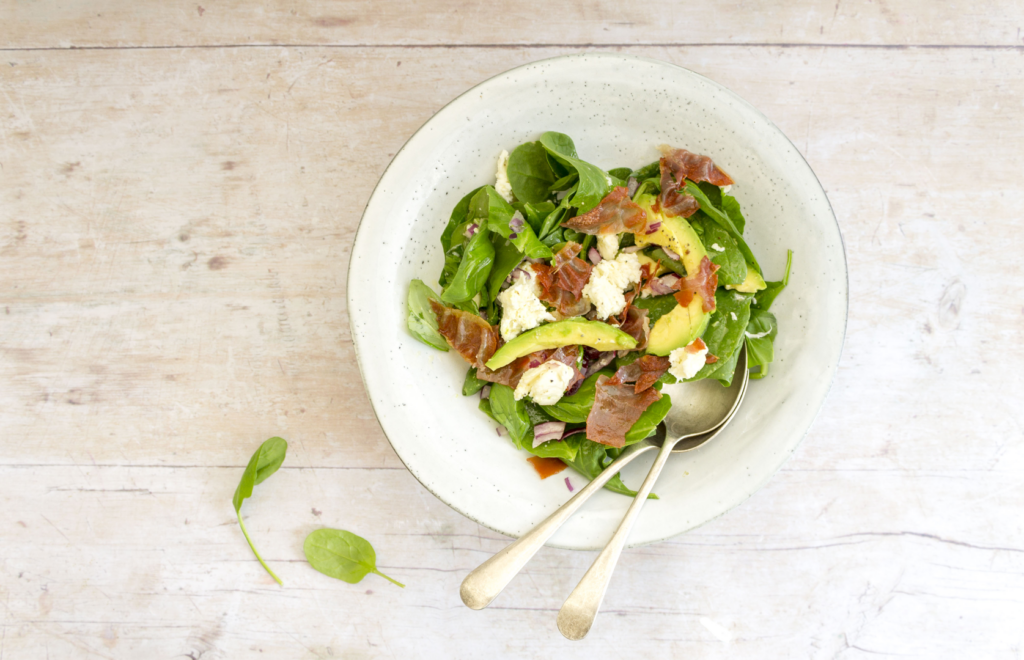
[[595, 256], [471, 230], [521, 272], [568, 484], [631, 186], [671, 254], [662, 285], [632, 248], [574, 432], [653, 227], [500, 431], [485, 392], [547, 431], [516, 224]]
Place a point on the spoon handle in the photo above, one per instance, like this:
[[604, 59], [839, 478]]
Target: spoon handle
[[580, 608], [488, 579]]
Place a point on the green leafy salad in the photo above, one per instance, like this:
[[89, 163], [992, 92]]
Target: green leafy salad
[[575, 293]]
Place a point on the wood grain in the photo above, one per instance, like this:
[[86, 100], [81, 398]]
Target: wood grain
[[175, 23], [175, 227]]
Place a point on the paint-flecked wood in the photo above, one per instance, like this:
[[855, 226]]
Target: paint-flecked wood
[[119, 23], [174, 231]]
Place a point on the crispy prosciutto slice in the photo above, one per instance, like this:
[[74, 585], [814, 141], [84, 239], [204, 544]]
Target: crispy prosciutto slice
[[703, 282], [616, 409], [511, 373], [637, 325], [615, 214], [677, 165], [562, 283], [644, 372], [472, 337]]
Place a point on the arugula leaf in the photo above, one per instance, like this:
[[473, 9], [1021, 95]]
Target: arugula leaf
[[732, 266], [511, 414], [342, 555], [529, 172], [724, 335], [458, 217], [760, 337], [594, 183], [421, 319], [764, 298], [656, 306], [474, 268], [265, 462]]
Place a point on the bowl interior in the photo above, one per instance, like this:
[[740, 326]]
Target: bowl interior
[[618, 110]]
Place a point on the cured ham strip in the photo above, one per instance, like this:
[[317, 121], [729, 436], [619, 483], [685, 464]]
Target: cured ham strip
[[615, 214], [562, 283], [677, 165], [472, 337], [698, 345], [616, 409], [644, 372], [703, 282], [511, 373], [637, 325]]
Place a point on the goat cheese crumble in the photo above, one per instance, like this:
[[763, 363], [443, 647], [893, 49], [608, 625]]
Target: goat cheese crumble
[[521, 307], [607, 282], [608, 245], [544, 384], [686, 363], [502, 185]]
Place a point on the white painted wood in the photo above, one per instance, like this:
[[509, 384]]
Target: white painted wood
[[174, 232]]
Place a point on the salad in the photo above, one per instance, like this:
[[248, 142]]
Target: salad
[[575, 293]]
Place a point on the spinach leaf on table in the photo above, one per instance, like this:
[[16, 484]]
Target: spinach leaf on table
[[594, 183], [511, 414], [342, 555], [265, 462], [421, 320], [529, 173], [473, 270]]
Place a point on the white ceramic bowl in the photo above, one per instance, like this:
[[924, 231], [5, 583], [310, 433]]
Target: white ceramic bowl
[[617, 109]]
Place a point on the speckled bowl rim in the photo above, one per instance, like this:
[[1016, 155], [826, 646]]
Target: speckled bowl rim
[[621, 57]]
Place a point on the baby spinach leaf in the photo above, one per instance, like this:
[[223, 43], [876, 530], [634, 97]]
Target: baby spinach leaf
[[511, 414], [535, 213], [457, 218], [732, 267], [573, 409], [421, 320], [725, 331], [529, 173], [724, 221], [732, 209], [473, 269], [497, 214], [712, 192], [651, 171], [591, 459], [563, 449], [506, 257], [452, 259], [649, 420], [727, 369], [764, 299], [621, 173], [342, 555], [265, 462], [472, 384], [760, 337], [594, 182], [656, 306]]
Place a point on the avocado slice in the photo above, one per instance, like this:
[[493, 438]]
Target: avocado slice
[[575, 331], [675, 233], [752, 284], [679, 327]]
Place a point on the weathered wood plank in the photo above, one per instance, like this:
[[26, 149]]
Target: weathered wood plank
[[121, 23]]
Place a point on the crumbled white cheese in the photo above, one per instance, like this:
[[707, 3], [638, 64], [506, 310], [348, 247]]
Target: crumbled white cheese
[[502, 185], [717, 248], [686, 363], [757, 335], [738, 296], [607, 282], [608, 245], [545, 384], [733, 315], [726, 189], [521, 308]]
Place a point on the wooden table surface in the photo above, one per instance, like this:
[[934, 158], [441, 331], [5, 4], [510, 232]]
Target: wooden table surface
[[180, 184]]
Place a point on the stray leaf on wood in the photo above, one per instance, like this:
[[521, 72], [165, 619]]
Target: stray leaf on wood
[[342, 555], [265, 462]]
